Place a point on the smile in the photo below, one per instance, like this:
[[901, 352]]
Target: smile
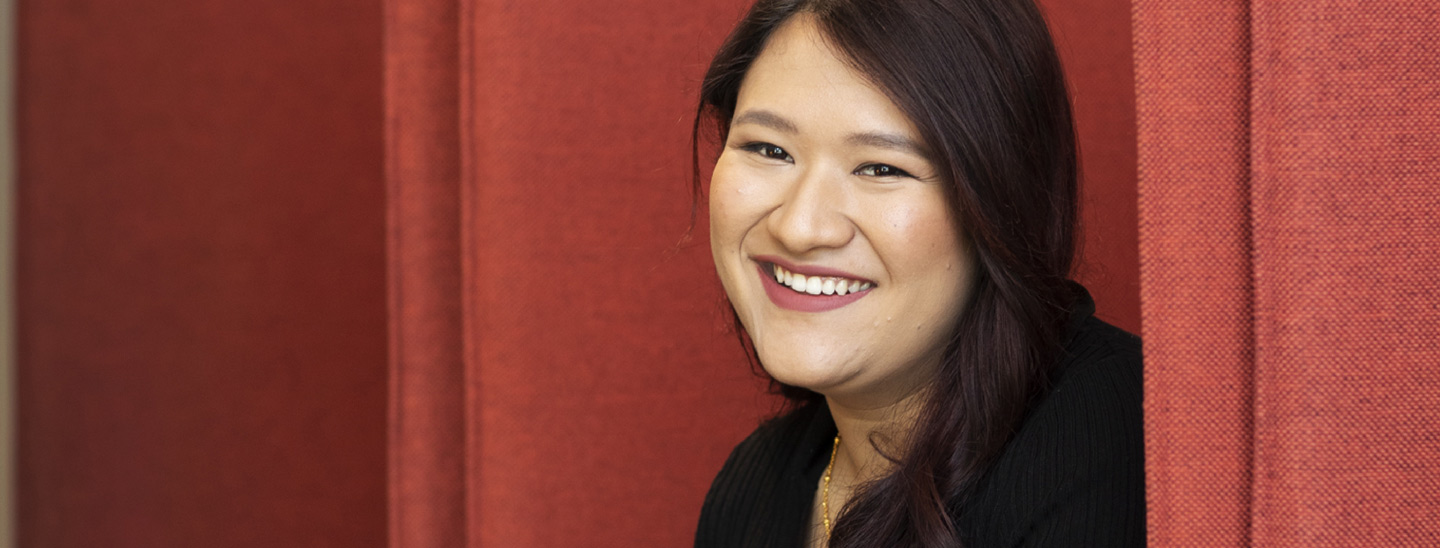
[[817, 285], [817, 292]]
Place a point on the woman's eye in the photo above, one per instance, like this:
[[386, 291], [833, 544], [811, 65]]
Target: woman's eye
[[768, 150], [882, 170]]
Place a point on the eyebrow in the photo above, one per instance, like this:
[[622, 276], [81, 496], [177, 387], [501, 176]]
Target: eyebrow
[[767, 119], [888, 141], [874, 139]]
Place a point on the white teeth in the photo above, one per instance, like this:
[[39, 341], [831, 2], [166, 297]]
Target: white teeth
[[813, 287], [797, 282], [816, 285]]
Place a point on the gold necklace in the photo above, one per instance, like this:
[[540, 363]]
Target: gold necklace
[[825, 498]]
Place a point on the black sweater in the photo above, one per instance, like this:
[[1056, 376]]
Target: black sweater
[[1073, 475]]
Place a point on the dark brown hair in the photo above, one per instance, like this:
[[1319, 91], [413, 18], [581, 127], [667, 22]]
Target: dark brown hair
[[981, 81]]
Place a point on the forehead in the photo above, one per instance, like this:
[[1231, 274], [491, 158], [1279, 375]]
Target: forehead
[[805, 79]]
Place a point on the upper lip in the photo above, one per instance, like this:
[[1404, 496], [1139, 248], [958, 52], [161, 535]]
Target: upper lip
[[809, 270]]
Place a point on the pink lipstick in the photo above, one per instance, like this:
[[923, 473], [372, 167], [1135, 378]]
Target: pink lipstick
[[789, 299]]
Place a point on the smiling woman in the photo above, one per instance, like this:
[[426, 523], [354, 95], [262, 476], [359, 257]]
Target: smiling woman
[[892, 218], [807, 186]]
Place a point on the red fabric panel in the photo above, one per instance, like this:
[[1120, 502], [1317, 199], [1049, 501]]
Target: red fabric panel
[[1191, 78], [1346, 161], [1093, 37], [427, 388], [606, 392], [200, 274]]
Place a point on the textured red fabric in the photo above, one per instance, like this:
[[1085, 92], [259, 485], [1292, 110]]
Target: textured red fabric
[[1345, 193], [605, 391], [1288, 155], [1191, 77], [200, 274], [427, 367]]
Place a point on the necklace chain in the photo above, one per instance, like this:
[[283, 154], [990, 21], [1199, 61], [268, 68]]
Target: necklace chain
[[825, 497]]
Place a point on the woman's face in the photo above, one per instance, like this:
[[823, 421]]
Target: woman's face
[[830, 228]]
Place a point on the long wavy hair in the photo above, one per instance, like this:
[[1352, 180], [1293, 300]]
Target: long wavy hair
[[981, 81]]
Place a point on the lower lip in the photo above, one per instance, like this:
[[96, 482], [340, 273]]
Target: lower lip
[[790, 299]]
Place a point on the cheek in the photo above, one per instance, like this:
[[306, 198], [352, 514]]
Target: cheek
[[921, 229], [733, 203], [924, 240], [722, 208]]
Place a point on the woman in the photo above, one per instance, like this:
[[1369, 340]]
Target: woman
[[892, 217]]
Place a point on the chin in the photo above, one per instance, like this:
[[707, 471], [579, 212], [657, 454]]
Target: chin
[[818, 375]]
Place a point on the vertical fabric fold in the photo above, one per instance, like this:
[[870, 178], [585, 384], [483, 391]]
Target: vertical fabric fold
[[1288, 154], [1192, 110], [1346, 160], [427, 430]]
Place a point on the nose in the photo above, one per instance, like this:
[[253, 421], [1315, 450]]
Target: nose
[[811, 215]]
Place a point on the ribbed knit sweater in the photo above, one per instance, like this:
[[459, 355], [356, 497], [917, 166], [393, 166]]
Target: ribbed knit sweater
[[1072, 476]]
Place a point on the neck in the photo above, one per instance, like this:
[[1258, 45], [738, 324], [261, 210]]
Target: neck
[[889, 426]]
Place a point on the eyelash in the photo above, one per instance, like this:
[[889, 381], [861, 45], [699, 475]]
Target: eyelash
[[893, 171], [764, 150], [768, 151]]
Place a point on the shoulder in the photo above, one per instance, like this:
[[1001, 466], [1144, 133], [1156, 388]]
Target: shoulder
[[1100, 376], [1095, 401], [761, 484], [1074, 472], [1097, 341], [771, 443]]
